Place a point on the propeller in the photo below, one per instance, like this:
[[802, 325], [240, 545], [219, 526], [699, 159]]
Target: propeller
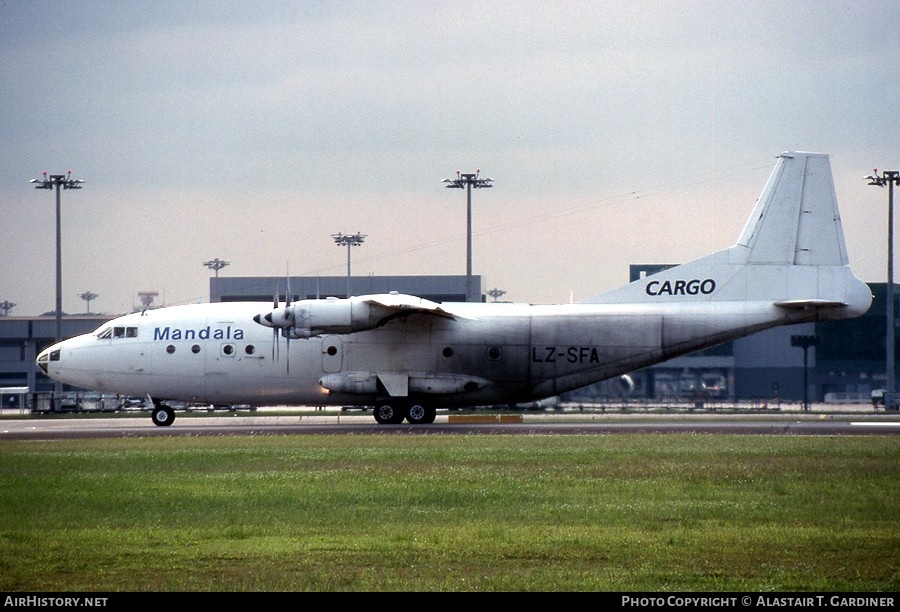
[[288, 316], [279, 319], [275, 343]]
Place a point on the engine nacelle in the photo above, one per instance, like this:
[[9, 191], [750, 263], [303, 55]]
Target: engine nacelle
[[308, 318], [424, 383], [329, 316]]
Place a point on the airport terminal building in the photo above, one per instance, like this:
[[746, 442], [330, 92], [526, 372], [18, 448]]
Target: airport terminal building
[[845, 360]]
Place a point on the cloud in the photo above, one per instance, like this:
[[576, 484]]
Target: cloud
[[222, 130]]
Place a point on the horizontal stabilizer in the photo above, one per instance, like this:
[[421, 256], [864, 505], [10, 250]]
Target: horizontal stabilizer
[[809, 304]]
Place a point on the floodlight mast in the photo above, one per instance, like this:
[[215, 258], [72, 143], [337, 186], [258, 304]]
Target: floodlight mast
[[88, 296], [469, 181], [889, 178], [58, 181], [147, 297], [216, 264], [348, 240]]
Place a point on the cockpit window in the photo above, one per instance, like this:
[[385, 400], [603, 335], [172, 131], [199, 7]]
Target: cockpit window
[[117, 332]]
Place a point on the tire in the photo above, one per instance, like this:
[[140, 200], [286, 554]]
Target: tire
[[163, 416], [420, 414], [387, 413], [430, 415]]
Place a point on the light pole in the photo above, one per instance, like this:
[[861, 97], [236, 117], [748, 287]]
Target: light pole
[[889, 178], [496, 293], [468, 181], [5, 307], [147, 297], [216, 264], [88, 296], [805, 342], [348, 240], [59, 181]]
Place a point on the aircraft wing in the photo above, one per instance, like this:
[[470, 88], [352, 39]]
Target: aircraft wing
[[396, 305]]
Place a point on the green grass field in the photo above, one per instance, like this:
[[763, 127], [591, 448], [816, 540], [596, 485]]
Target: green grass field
[[451, 513]]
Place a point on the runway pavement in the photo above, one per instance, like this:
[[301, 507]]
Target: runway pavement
[[819, 420]]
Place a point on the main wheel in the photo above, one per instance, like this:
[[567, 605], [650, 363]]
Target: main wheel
[[163, 416], [387, 413], [420, 414]]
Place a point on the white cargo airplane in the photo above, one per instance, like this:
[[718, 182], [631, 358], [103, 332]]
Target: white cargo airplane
[[406, 356]]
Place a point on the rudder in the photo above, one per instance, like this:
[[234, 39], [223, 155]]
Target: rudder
[[796, 219]]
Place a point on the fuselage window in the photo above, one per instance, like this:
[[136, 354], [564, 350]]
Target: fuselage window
[[195, 349], [228, 349], [332, 350], [118, 332], [170, 349], [494, 353], [249, 349], [448, 352], [131, 332]]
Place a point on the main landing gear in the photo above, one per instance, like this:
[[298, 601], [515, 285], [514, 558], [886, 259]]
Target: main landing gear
[[162, 415], [393, 412]]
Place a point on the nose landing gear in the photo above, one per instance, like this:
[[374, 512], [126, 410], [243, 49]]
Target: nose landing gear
[[162, 415]]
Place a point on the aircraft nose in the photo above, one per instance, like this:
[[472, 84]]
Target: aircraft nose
[[46, 356]]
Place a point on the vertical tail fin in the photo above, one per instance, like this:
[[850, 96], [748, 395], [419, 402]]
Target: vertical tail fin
[[796, 219], [790, 254]]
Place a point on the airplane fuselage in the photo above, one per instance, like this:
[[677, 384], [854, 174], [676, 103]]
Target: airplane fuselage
[[495, 353]]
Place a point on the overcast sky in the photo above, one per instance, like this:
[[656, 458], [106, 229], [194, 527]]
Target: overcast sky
[[615, 132]]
